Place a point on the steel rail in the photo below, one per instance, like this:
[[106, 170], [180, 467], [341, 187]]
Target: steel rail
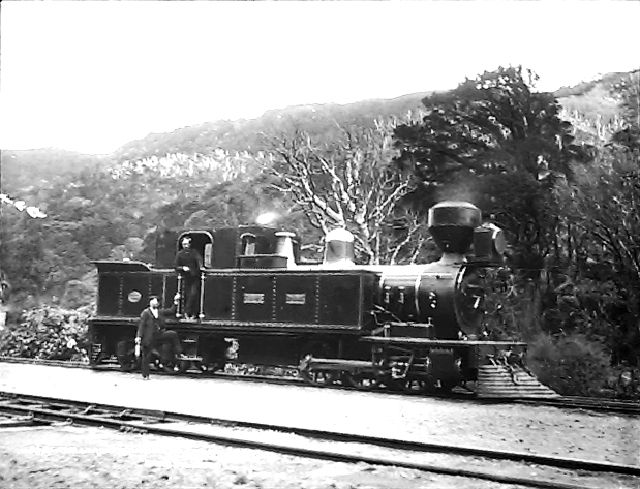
[[590, 403], [17, 421], [138, 420], [573, 402]]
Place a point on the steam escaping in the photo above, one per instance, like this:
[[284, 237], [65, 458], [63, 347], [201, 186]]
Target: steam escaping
[[465, 189], [267, 218]]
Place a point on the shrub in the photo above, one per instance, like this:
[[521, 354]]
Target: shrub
[[570, 365], [48, 332]]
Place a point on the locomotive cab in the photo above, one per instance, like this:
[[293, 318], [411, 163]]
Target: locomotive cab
[[202, 242]]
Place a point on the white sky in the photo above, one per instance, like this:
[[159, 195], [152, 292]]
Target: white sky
[[91, 76]]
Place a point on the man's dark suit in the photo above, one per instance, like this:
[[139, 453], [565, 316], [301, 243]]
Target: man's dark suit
[[188, 257], [152, 333]]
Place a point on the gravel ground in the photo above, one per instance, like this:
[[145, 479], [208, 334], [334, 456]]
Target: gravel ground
[[533, 429], [87, 458]]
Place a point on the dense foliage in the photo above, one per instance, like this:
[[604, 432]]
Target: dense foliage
[[494, 142], [49, 333]]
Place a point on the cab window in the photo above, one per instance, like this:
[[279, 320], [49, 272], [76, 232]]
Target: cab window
[[248, 244]]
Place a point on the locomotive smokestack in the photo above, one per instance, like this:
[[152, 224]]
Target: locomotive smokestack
[[451, 224]]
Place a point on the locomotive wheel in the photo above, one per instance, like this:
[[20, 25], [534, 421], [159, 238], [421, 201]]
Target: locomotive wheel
[[170, 368], [124, 353], [400, 385], [359, 382], [126, 362], [446, 386], [322, 378], [418, 385]]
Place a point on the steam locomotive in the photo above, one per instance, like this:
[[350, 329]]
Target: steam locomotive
[[262, 312]]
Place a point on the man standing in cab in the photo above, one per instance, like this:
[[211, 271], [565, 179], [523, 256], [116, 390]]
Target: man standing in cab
[[152, 333], [188, 265]]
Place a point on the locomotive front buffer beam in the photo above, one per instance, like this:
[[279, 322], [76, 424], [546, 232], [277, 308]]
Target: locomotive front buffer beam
[[488, 369]]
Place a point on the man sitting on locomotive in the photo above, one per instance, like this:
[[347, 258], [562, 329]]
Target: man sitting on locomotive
[[152, 333], [188, 265]]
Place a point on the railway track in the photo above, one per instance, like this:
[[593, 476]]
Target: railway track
[[604, 405], [465, 462], [589, 403]]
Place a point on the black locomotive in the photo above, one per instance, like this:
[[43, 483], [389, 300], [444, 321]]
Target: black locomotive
[[264, 313]]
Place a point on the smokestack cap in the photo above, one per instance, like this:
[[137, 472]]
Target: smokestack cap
[[452, 223]]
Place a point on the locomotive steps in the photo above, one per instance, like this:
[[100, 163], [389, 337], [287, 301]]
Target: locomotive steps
[[497, 381]]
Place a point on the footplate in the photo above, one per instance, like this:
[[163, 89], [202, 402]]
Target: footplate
[[508, 382]]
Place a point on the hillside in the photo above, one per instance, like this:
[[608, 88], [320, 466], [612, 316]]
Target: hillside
[[26, 170], [248, 135], [609, 80], [23, 169], [592, 107]]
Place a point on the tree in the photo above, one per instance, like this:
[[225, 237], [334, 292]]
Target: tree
[[350, 183], [602, 205], [496, 142], [599, 230]]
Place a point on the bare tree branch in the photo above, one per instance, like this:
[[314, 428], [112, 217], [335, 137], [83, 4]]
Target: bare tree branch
[[349, 182]]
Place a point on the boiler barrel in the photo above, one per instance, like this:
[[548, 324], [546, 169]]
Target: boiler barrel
[[425, 296]]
